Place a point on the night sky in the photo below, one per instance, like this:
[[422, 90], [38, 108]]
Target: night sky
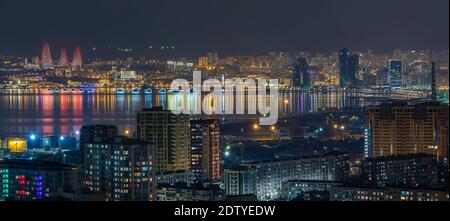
[[227, 26]]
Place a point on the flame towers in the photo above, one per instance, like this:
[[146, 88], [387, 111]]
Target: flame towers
[[46, 56], [77, 59], [63, 57]]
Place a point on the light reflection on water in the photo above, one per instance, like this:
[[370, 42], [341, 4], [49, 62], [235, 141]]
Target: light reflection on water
[[65, 114]]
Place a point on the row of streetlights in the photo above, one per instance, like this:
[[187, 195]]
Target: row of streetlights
[[34, 137]]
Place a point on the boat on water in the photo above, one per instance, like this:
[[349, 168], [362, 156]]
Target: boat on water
[[148, 91], [120, 91]]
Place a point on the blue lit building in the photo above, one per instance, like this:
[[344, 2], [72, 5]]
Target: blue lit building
[[121, 168], [348, 68], [302, 77], [395, 76]]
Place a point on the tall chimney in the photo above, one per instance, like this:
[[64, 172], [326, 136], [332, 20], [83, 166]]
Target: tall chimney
[[433, 82]]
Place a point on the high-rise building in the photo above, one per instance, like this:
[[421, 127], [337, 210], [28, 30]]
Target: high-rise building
[[89, 132], [121, 168], [353, 68], [36, 61], [202, 62], [63, 58], [348, 68], [170, 135], [344, 77], [382, 78], [35, 179], [417, 76], [301, 76], [47, 62], [270, 174], [205, 150], [77, 61], [213, 58], [414, 171], [400, 129], [395, 73]]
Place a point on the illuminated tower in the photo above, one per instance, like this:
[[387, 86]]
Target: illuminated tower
[[302, 76], [344, 78], [46, 56], [63, 57], [77, 61], [402, 128], [36, 61], [396, 73], [205, 150], [171, 135]]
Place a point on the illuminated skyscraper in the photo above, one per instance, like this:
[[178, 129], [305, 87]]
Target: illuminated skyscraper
[[202, 62], [121, 168], [348, 68], [205, 150], [63, 57], [302, 76], [77, 61], [353, 68], [395, 73], [343, 70], [213, 58], [90, 132], [36, 61], [46, 56], [417, 76], [170, 135], [400, 129]]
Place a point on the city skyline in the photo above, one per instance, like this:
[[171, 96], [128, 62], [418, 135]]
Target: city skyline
[[224, 101], [193, 28]]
